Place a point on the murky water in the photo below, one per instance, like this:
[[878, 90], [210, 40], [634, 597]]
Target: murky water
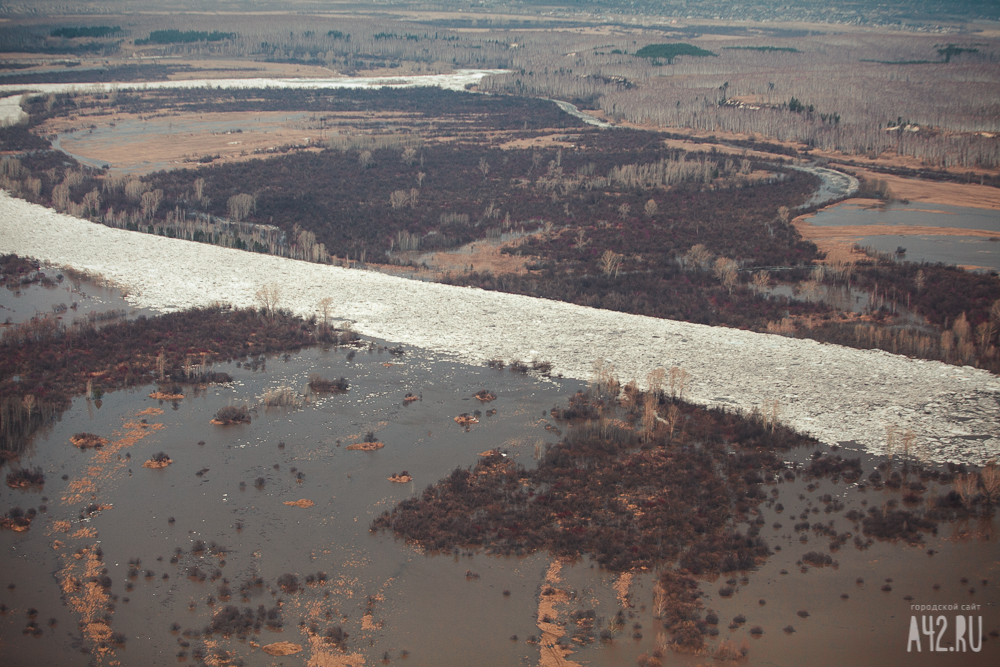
[[69, 298], [971, 251], [960, 250], [441, 609], [202, 491], [227, 486], [919, 213]]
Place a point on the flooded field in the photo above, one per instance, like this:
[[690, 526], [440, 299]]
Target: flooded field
[[969, 251], [928, 232], [67, 297], [915, 214], [230, 488], [132, 565]]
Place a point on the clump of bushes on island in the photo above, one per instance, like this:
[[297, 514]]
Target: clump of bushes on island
[[25, 478], [318, 384], [232, 414], [88, 440], [158, 460], [17, 519]]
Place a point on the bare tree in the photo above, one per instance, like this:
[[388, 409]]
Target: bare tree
[[611, 262], [677, 379], [399, 199], [761, 281], [134, 188], [409, 156], [150, 203], [651, 208], [769, 414], [240, 206], [990, 479], [33, 186], [649, 415], [324, 307], [726, 271], [60, 197], [92, 202], [484, 167], [673, 415], [965, 487], [420, 179], [698, 256], [623, 209], [268, 296], [536, 160], [654, 381], [365, 158]]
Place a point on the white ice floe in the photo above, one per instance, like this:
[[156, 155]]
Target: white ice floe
[[834, 393], [457, 80]]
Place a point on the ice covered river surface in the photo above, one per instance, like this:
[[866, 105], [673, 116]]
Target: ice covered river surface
[[838, 394]]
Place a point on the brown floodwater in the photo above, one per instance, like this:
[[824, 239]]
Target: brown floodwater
[[387, 595], [68, 297]]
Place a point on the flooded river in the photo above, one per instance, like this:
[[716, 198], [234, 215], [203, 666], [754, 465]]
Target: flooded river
[[218, 527]]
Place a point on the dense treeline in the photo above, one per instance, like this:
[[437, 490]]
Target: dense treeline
[[87, 31], [37, 37], [174, 36], [110, 74], [958, 313], [668, 292]]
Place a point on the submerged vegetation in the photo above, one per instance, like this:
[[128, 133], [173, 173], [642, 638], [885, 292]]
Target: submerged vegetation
[[45, 362], [24, 478], [320, 385], [621, 487], [648, 480]]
